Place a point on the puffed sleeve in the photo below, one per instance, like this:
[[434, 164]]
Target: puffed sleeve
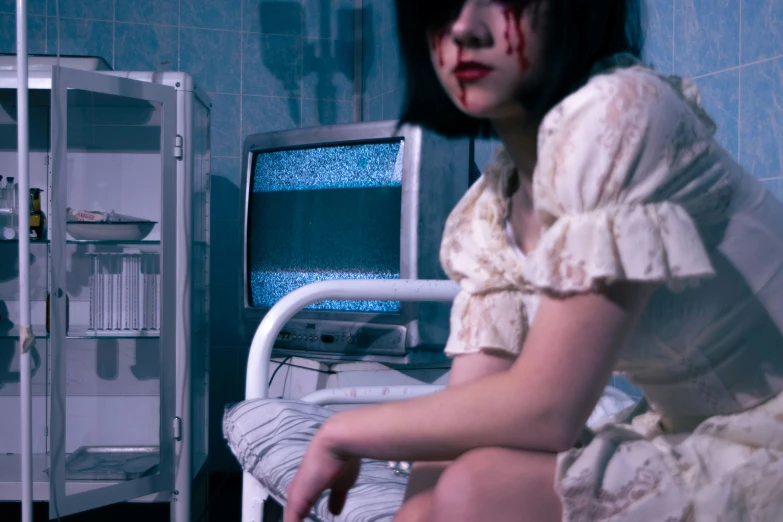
[[619, 165]]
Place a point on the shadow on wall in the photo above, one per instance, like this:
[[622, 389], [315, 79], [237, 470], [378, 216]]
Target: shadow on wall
[[227, 366], [329, 57]]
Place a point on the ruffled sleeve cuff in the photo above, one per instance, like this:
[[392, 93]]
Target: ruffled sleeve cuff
[[496, 321], [655, 243]]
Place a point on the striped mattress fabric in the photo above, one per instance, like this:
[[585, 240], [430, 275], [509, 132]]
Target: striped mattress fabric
[[269, 438]]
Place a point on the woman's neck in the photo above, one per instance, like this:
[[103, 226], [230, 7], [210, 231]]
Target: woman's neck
[[520, 143]]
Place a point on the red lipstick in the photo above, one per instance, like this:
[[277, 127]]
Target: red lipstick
[[471, 71]]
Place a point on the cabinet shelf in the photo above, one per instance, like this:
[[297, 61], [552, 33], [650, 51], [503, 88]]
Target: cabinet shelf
[[81, 332], [83, 242]]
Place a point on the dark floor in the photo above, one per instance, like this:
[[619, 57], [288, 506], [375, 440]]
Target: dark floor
[[224, 505]]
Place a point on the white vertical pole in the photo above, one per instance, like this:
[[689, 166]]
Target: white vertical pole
[[26, 335]]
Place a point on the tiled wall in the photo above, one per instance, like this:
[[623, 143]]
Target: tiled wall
[[382, 85], [734, 50]]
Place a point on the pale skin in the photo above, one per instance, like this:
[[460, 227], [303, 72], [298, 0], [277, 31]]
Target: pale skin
[[486, 446]]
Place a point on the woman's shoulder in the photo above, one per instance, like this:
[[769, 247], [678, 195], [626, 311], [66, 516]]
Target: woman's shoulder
[[622, 93]]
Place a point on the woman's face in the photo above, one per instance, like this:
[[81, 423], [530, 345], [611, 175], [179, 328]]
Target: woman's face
[[488, 57]]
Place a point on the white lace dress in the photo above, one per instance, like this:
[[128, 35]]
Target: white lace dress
[[630, 185]]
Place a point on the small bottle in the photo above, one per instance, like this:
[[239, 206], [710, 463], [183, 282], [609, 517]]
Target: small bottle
[[37, 217], [10, 193]]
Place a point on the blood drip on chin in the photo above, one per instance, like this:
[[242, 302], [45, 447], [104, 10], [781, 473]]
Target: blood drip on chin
[[463, 94], [513, 16]]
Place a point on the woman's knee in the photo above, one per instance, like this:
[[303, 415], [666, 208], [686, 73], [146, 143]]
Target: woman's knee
[[416, 509], [490, 480], [459, 489]]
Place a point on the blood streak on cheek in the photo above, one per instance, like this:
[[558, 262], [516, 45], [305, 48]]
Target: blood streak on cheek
[[514, 17], [508, 13]]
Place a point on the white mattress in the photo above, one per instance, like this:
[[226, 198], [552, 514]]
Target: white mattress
[[269, 438]]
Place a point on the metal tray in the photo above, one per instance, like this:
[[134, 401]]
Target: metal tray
[[112, 462]]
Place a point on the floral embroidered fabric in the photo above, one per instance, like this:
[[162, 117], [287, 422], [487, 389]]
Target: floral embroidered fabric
[[630, 185]]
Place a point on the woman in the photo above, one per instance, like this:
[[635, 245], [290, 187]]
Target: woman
[[639, 246]]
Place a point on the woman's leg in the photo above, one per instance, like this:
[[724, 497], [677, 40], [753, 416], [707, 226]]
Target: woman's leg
[[417, 508], [496, 484], [464, 368]]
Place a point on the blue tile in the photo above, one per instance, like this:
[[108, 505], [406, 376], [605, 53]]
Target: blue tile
[[484, 152], [272, 65], [164, 12], [775, 186], [372, 109], [34, 7], [330, 19], [706, 36], [212, 14], [212, 58], [93, 9], [139, 47], [372, 66], [388, 14], [265, 114], [371, 20], [392, 105], [761, 131], [82, 38], [225, 252], [327, 69], [224, 186], [326, 112], [720, 98], [225, 124], [36, 34], [660, 26], [278, 17], [624, 385], [392, 76], [762, 29]]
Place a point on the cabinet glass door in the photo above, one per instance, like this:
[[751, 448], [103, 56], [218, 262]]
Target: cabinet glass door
[[113, 226]]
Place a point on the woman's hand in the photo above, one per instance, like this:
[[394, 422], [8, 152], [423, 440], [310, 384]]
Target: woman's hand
[[322, 468]]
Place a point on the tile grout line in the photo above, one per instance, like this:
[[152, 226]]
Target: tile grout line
[[736, 67], [46, 27], [179, 35], [301, 68], [114, 34], [739, 91], [674, 27], [240, 130]]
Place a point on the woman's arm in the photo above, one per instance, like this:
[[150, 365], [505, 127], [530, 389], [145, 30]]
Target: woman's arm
[[540, 404], [464, 368]]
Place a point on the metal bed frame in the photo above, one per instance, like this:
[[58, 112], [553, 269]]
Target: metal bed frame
[[254, 495]]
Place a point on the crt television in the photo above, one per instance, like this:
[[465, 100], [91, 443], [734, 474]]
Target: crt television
[[352, 201]]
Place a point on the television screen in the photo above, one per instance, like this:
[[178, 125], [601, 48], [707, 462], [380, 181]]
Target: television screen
[[323, 213]]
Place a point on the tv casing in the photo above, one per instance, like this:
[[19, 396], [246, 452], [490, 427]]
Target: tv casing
[[435, 175]]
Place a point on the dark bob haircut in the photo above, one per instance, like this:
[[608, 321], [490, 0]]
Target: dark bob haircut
[[578, 34]]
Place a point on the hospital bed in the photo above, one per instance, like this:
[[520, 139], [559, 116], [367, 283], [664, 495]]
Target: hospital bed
[[269, 436]]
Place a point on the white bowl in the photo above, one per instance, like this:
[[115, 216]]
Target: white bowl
[[110, 231]]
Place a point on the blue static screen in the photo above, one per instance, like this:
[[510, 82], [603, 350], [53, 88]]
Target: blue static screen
[[325, 213]]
